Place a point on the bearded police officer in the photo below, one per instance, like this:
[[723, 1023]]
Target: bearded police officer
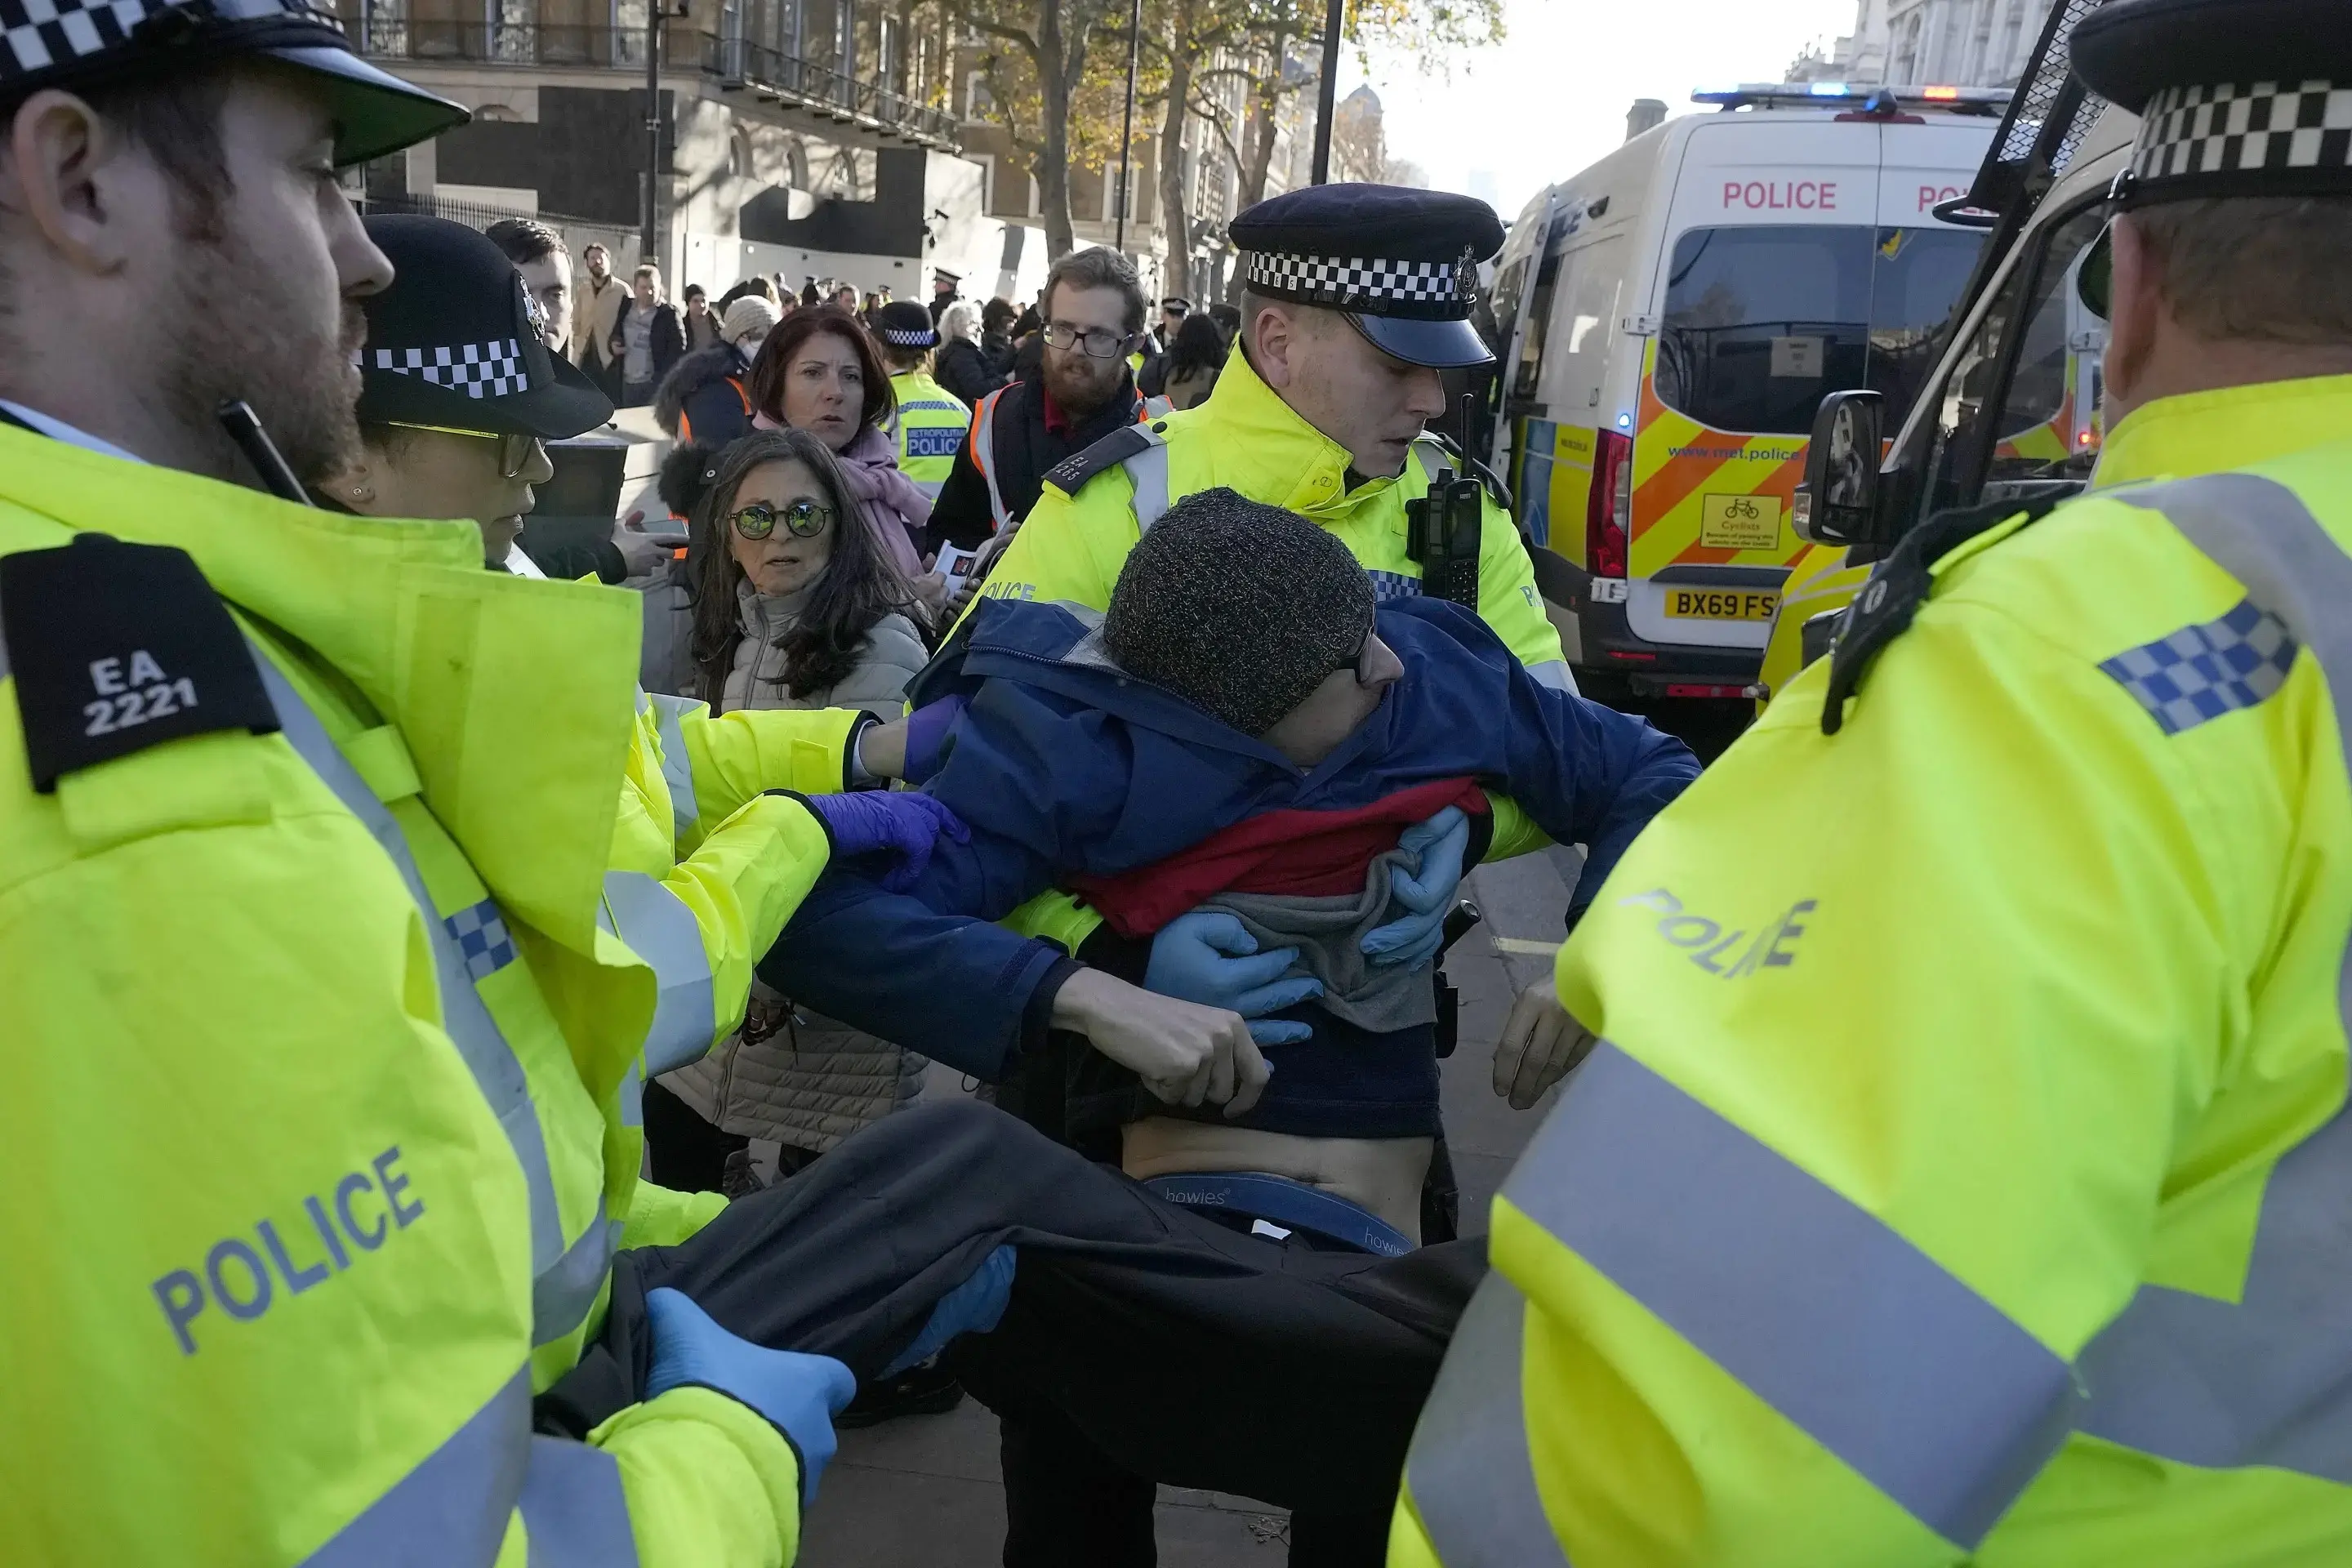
[[1982, 1196], [326, 967]]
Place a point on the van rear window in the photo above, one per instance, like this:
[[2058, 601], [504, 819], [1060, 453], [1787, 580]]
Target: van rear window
[[1762, 321]]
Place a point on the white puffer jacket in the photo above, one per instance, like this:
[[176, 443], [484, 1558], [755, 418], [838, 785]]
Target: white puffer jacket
[[789, 1075]]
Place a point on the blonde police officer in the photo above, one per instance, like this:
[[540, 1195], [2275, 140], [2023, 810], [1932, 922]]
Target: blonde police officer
[[929, 421], [326, 965], [1967, 1180]]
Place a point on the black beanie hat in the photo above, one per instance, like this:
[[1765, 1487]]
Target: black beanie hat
[[1239, 607]]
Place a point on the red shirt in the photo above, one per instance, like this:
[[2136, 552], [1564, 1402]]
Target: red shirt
[[1311, 854]]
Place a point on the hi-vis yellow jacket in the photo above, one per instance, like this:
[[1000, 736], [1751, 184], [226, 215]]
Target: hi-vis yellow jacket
[[1071, 547], [929, 425], [322, 1049], [1967, 1176]]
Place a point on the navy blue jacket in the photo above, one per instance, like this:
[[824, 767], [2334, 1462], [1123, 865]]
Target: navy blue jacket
[[1063, 765]]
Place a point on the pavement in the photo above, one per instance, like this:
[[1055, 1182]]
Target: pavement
[[923, 1492]]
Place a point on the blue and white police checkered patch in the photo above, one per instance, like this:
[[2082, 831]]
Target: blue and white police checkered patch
[[2201, 673], [482, 936], [477, 370], [1387, 585], [2227, 128]]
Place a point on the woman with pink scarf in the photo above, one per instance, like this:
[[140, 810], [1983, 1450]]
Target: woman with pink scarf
[[818, 372]]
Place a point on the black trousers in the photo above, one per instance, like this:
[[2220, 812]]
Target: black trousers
[[1178, 1349], [688, 1154], [1068, 1503]]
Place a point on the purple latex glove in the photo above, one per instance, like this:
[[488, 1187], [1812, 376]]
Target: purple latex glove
[[931, 735], [901, 822]]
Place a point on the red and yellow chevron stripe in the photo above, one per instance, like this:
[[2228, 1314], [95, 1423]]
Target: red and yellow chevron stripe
[[1703, 496]]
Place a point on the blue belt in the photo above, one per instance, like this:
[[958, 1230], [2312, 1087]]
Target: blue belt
[[1286, 1203]]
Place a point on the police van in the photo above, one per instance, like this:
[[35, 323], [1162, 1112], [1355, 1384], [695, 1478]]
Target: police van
[[2011, 411], [1673, 317]]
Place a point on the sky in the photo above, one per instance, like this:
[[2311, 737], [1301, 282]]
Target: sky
[[1502, 123]]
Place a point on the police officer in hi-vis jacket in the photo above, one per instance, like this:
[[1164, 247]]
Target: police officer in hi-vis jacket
[[1966, 1179]]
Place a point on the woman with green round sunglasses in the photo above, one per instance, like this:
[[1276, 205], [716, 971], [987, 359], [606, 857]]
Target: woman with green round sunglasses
[[803, 518], [795, 606]]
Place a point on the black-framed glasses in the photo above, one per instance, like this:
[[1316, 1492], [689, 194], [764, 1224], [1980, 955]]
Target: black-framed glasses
[[1094, 343], [802, 519], [515, 447], [1362, 663]]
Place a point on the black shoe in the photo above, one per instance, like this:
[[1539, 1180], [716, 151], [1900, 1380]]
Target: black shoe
[[740, 1180], [926, 1390]]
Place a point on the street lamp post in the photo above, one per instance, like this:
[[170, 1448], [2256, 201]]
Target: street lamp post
[[653, 9], [1327, 94], [1126, 124]]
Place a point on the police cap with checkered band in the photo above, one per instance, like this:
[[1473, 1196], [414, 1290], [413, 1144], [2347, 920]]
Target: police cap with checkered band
[[79, 44], [453, 342], [2236, 98], [1401, 265]]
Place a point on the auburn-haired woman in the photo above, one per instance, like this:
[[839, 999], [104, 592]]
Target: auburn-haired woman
[[818, 372]]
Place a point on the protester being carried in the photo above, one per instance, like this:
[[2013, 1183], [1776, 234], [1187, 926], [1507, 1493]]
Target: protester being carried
[[1244, 743], [818, 372]]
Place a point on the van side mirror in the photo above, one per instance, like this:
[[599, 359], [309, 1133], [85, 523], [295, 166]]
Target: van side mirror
[[1839, 497]]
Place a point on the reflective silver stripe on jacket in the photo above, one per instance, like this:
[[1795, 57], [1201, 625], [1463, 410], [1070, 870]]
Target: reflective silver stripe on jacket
[[983, 446], [454, 1507], [574, 1509], [1921, 1386], [1852, 1333], [562, 1294], [677, 768], [1469, 1473], [1147, 470], [2266, 1380], [497, 1072], [1554, 673], [663, 932]]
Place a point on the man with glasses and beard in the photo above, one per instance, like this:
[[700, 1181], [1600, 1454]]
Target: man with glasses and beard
[[1083, 391]]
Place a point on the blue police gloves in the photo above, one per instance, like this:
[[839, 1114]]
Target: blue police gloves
[[1206, 956], [799, 1394], [1440, 842], [931, 736], [974, 1307], [900, 822]]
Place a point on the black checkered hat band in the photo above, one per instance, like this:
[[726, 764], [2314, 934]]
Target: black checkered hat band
[[906, 340], [2190, 131], [1423, 290], [46, 37], [477, 370]]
